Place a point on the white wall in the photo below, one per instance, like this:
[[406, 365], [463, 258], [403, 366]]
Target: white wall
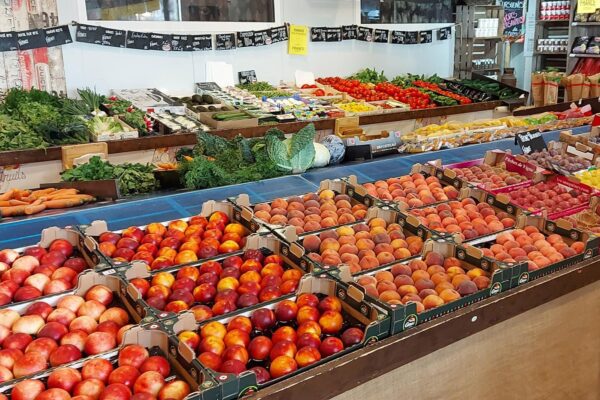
[[112, 68]]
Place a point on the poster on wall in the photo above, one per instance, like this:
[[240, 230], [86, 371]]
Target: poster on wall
[[88, 34], [113, 37], [411, 37], [31, 39], [202, 42], [514, 18]]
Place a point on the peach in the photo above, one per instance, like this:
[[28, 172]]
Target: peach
[[92, 388], [449, 295], [29, 364], [149, 382], [388, 295], [407, 289], [99, 342], [175, 390], [482, 282], [466, 287], [453, 271], [434, 258], [28, 324], [432, 301], [28, 389], [418, 265], [369, 262]]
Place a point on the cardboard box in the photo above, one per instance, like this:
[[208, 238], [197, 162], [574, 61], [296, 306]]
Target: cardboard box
[[356, 311], [207, 118], [151, 100], [90, 233], [403, 317], [293, 257], [127, 132]]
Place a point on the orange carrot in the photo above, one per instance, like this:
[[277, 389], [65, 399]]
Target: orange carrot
[[8, 195], [13, 211], [34, 209], [64, 203], [62, 192], [15, 202], [5, 203], [42, 192]]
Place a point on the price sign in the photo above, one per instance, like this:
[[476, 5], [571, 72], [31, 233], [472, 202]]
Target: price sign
[[247, 77], [8, 41], [530, 142], [58, 35]]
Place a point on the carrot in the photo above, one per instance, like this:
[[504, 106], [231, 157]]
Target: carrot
[[64, 203], [13, 211], [62, 192], [8, 195], [5, 203], [15, 202], [38, 201], [34, 209], [82, 197], [42, 192]]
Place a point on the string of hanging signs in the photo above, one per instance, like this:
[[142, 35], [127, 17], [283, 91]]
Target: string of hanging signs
[[99, 35]]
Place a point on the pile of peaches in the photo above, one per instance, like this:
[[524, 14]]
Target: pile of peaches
[[179, 242], [466, 218], [489, 177], [362, 246], [415, 190], [220, 287], [38, 271], [137, 376], [46, 336], [531, 245], [311, 212], [550, 196], [430, 282], [274, 343]]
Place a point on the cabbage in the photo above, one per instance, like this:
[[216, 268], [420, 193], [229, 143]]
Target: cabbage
[[322, 156], [295, 154], [100, 124]]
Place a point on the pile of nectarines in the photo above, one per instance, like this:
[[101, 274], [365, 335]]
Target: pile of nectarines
[[489, 177], [362, 246], [46, 336], [136, 375], [549, 196], [38, 271], [293, 335], [177, 243], [311, 212], [415, 190], [429, 282], [531, 245], [466, 217], [220, 287]]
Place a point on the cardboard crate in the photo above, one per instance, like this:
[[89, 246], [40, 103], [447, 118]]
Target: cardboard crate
[[127, 132], [403, 317], [91, 233], [207, 118], [588, 219], [338, 186], [565, 149], [586, 142], [356, 310], [202, 385], [561, 227], [293, 258]]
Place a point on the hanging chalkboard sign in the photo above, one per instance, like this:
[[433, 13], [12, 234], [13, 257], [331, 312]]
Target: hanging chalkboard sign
[[349, 32], [317, 34], [225, 41], [245, 39], [31, 39], [181, 43], [333, 34], [530, 142], [514, 18], [398, 37], [112, 37], [425, 36], [262, 38], [411, 37], [381, 35], [160, 41], [88, 34], [279, 34], [8, 41], [202, 42], [246, 77], [207, 86], [444, 33], [57, 36], [138, 40], [364, 34]]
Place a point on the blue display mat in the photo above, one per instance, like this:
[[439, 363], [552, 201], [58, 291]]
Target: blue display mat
[[26, 232]]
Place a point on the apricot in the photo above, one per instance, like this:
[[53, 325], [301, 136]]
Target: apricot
[[400, 254], [348, 248], [365, 244], [329, 243], [453, 271], [349, 258]]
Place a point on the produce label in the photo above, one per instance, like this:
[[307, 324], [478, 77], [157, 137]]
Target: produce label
[[279, 34], [513, 17], [364, 34], [514, 165], [586, 6], [225, 41], [88, 34], [8, 41], [138, 40], [113, 37], [349, 32], [425, 36], [57, 36], [202, 42], [159, 41], [444, 33], [263, 38], [530, 142], [245, 39], [31, 39], [381, 35], [398, 37], [298, 43]]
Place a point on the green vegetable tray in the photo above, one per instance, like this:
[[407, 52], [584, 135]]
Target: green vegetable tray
[[207, 118]]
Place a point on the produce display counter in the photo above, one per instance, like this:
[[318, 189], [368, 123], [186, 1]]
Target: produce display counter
[[172, 206], [496, 357]]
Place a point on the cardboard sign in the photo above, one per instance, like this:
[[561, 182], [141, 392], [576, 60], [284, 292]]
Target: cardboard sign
[[8, 41], [31, 39], [398, 37], [57, 36], [520, 167], [530, 142], [160, 42], [425, 36], [138, 40], [112, 37], [225, 41], [349, 32], [381, 35], [262, 38], [279, 34], [364, 34], [245, 39], [247, 77], [444, 33]]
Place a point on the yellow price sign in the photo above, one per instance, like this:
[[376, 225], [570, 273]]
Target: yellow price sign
[[298, 40], [586, 6]]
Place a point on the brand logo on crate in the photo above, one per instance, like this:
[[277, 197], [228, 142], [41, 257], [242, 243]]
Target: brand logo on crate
[[550, 226], [524, 278], [222, 377], [420, 232], [237, 215], [484, 264], [253, 226], [496, 288], [285, 250], [173, 350], [588, 253], [207, 384], [153, 326], [574, 235], [439, 175], [456, 184], [367, 202], [247, 391], [194, 373], [460, 254], [510, 209], [139, 309], [371, 340], [401, 221], [490, 200], [364, 309], [341, 294], [303, 264], [410, 321], [350, 192]]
